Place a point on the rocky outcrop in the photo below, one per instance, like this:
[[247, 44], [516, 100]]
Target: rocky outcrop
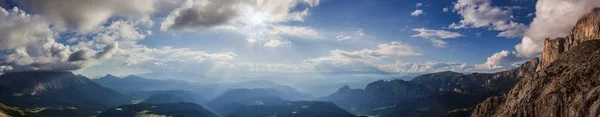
[[566, 83], [568, 87], [587, 28]]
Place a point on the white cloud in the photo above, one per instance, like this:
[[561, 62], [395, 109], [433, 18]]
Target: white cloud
[[343, 37], [417, 12], [428, 67], [365, 55], [430, 33], [438, 43], [30, 44], [419, 4], [436, 35], [276, 43], [357, 34], [258, 20], [503, 60], [85, 15], [360, 32], [203, 14], [563, 15], [303, 32], [167, 54], [445, 9], [480, 14]]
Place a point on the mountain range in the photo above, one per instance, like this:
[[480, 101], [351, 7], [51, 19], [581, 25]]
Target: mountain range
[[564, 81], [159, 110], [168, 96], [292, 109], [57, 91], [429, 94], [207, 90]]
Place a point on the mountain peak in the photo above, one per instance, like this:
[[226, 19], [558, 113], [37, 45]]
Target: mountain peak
[[133, 77], [110, 76], [345, 88]]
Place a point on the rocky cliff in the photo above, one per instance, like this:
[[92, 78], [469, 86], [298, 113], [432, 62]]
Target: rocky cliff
[[567, 82], [587, 28], [568, 87]]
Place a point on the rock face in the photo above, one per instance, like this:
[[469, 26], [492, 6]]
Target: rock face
[[587, 28], [566, 83], [568, 87]]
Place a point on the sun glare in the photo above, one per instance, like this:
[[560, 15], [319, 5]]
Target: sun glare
[[257, 19]]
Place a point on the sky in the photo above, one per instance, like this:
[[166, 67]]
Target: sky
[[282, 40]]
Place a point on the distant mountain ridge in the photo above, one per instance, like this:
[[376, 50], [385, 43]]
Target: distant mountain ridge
[[168, 96], [141, 84], [57, 90], [207, 90], [398, 97], [159, 110], [233, 98], [292, 109]]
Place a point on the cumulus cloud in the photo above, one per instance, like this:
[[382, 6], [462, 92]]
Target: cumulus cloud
[[419, 4], [30, 45], [417, 12], [563, 15], [86, 55], [204, 14], [303, 32], [131, 55], [85, 15], [201, 14], [480, 14], [436, 35], [445, 9], [501, 61]]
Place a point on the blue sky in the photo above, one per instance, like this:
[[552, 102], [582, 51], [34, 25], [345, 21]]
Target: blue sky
[[224, 40]]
